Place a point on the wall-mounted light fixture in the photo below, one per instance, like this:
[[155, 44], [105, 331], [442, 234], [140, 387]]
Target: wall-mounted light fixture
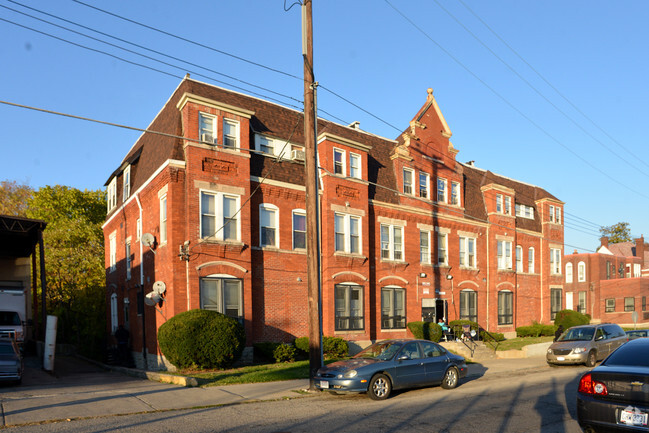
[[422, 275], [449, 277]]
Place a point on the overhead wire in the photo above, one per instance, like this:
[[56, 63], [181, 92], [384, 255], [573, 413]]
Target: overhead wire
[[513, 107]]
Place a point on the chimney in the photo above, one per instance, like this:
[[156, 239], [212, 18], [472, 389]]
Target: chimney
[[639, 247], [355, 124], [575, 252], [604, 241]]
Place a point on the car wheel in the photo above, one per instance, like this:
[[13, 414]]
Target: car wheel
[[592, 359], [380, 387], [451, 378]]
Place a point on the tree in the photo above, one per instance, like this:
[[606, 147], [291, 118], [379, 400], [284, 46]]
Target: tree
[[14, 198], [617, 233]]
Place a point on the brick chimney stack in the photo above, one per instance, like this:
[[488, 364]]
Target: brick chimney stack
[[639, 248], [604, 241]]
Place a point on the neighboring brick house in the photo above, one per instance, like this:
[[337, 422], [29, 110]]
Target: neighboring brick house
[[407, 231], [610, 284]]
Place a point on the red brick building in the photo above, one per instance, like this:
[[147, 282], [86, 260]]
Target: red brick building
[[407, 231], [610, 284]]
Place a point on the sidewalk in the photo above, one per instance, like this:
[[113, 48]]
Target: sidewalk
[[81, 389]]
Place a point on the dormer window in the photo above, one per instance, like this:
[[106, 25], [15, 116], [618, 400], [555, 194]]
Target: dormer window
[[424, 185], [207, 128], [354, 165], [126, 182], [455, 193], [408, 176], [111, 195], [441, 190], [230, 134], [339, 162]]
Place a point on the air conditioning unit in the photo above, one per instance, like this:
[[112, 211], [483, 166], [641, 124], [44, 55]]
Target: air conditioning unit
[[207, 138], [297, 155]]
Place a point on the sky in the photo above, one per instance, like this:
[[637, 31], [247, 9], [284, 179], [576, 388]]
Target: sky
[[550, 93]]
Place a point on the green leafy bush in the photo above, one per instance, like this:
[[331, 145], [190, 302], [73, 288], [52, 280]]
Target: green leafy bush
[[201, 338], [332, 347], [284, 353], [535, 330], [570, 318], [426, 330], [457, 326], [492, 336]]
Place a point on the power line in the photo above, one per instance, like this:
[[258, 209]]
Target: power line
[[512, 106]]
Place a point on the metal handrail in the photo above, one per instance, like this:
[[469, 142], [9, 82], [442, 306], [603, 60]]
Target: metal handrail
[[491, 341]]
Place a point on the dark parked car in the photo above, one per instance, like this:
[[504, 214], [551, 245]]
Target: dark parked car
[[615, 395], [11, 362], [393, 364], [586, 344], [637, 333]]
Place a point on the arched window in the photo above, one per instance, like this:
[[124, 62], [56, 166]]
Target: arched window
[[568, 272], [581, 271], [469, 305], [505, 307]]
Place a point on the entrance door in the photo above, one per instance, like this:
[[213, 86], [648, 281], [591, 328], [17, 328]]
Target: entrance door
[[441, 310]]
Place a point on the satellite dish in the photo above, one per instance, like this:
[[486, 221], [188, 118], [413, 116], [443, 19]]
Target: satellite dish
[[151, 299], [159, 287], [148, 239]]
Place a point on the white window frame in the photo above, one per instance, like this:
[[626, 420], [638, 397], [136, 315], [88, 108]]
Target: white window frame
[[557, 214], [201, 130], [220, 293], [569, 273], [111, 195], [301, 213], [267, 143], [219, 218], [581, 272], [530, 260], [442, 190], [408, 185], [424, 250], [499, 203], [467, 252], [504, 254], [275, 221], [508, 205], [138, 229], [114, 322], [393, 251], [112, 252], [551, 213], [555, 261], [163, 219], [424, 187], [339, 165], [127, 251], [389, 318], [355, 165], [519, 258], [637, 270], [126, 183], [347, 221], [237, 139], [442, 249], [455, 194]]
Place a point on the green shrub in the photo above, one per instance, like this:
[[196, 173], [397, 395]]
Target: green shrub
[[457, 326], [535, 330], [264, 352], [426, 330], [284, 353], [492, 336], [570, 318], [201, 338], [332, 347]]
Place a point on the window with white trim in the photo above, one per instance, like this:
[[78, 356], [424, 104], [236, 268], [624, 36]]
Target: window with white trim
[[505, 307], [530, 260], [355, 165], [557, 215], [391, 242], [555, 302], [299, 229], [219, 218], [508, 205], [637, 270], [467, 252], [408, 180], [266, 145], [424, 246], [112, 252], [424, 185], [138, 229], [581, 306], [393, 311], [504, 255], [126, 183], [568, 273], [555, 261], [524, 211], [268, 225], [113, 313], [349, 307], [581, 272], [223, 295], [207, 128], [163, 219], [127, 254], [347, 236], [468, 305], [339, 162], [441, 190], [499, 203], [230, 134], [455, 193], [442, 248], [111, 195], [519, 258]]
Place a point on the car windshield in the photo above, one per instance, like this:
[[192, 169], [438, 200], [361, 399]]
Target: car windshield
[[637, 333], [381, 351], [6, 349], [578, 334], [9, 318]]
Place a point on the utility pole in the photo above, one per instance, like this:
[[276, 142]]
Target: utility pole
[[312, 223]]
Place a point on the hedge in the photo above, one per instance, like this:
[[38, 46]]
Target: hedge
[[426, 330], [570, 318], [332, 347], [536, 330]]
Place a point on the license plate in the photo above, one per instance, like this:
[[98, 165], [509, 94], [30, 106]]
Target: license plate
[[561, 358], [324, 384], [629, 416]]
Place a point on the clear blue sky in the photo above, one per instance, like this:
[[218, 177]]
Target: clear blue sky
[[552, 93]]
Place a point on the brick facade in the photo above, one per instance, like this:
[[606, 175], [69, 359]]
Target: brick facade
[[406, 229]]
